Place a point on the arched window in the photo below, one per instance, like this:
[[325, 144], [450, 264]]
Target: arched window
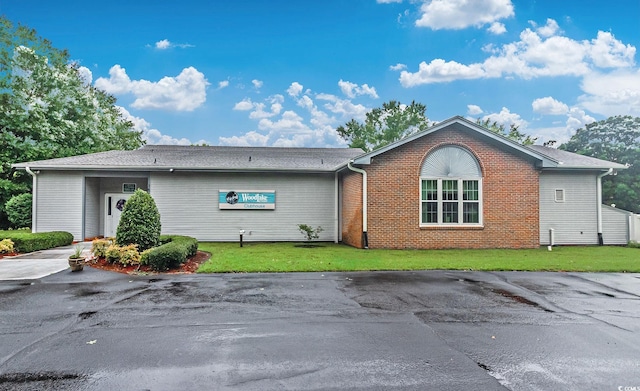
[[451, 188]]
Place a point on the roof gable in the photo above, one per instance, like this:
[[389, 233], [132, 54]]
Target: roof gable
[[544, 157]]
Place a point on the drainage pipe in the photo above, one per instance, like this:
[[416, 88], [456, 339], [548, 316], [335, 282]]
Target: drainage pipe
[[599, 190], [365, 238], [33, 200]]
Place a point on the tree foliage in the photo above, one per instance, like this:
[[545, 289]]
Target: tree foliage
[[616, 139], [140, 222], [384, 125], [48, 109], [513, 133]]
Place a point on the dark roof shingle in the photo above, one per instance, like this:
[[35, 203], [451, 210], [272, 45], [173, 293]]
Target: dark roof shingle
[[152, 157]]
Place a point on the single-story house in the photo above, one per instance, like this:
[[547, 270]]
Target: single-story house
[[454, 185]]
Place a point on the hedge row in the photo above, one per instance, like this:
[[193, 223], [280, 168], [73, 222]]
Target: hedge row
[[26, 242], [173, 252]]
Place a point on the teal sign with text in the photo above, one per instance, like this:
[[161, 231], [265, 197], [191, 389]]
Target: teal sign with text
[[247, 199]]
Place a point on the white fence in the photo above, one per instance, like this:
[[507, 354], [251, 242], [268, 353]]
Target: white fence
[[634, 228]]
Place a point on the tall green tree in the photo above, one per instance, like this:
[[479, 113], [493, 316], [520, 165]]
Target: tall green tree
[[49, 110], [383, 125], [513, 133], [616, 139]]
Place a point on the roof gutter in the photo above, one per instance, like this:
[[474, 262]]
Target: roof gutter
[[34, 215], [365, 238], [599, 206]]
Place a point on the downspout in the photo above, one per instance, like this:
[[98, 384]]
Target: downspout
[[365, 238], [599, 190], [33, 200]]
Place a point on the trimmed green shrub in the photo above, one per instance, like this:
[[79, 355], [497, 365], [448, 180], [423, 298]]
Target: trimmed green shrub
[[6, 246], [19, 210], [633, 244], [139, 222], [26, 242], [174, 252]]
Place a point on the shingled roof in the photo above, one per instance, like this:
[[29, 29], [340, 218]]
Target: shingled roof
[[573, 160], [197, 158]]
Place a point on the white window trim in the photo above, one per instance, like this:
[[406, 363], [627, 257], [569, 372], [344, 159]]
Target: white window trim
[[460, 203], [555, 195]]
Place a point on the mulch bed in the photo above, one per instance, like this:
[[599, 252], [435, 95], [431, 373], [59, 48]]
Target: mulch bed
[[188, 267]]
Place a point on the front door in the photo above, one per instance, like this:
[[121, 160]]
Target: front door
[[114, 204]]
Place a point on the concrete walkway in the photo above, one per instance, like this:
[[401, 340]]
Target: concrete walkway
[[37, 264]]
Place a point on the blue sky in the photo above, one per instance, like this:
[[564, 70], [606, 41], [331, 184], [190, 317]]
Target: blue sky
[[287, 73]]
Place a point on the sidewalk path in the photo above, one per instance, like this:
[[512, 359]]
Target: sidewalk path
[[37, 264]]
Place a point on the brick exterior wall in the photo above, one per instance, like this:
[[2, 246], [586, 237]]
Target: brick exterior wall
[[352, 209], [510, 198]]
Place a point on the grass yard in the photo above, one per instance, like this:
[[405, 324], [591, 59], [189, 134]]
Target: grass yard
[[286, 257]]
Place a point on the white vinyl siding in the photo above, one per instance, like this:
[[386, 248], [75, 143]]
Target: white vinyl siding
[[92, 211], [575, 221], [615, 225], [59, 202], [188, 205]]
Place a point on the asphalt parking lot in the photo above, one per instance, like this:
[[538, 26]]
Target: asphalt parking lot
[[432, 330]]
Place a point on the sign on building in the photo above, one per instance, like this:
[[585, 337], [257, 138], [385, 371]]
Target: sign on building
[[247, 199]]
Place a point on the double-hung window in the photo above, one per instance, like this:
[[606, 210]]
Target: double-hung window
[[451, 188]]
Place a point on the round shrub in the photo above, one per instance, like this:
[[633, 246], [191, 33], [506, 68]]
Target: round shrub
[[139, 222], [19, 210]]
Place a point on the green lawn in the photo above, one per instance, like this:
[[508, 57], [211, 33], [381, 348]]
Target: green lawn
[[286, 257]]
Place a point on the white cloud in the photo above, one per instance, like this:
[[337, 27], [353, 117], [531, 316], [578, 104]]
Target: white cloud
[[507, 118], [250, 139], [497, 28], [352, 90], [388, 1], [152, 135], [294, 89], [244, 105], [185, 92], [397, 67], [608, 52], [549, 106], [117, 83], [85, 74], [312, 126], [223, 84], [534, 55], [460, 14], [548, 30], [474, 110], [614, 93], [438, 71], [164, 44], [257, 83]]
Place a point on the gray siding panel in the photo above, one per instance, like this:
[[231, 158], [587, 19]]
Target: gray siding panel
[[60, 202], [188, 205], [615, 225], [575, 221], [92, 208]]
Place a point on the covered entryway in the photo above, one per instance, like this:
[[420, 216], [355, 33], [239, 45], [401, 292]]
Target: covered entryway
[[114, 205], [104, 199]]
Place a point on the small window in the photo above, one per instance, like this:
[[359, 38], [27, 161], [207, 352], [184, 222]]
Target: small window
[[559, 195]]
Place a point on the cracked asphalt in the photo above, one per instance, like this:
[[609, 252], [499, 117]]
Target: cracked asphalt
[[431, 330]]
